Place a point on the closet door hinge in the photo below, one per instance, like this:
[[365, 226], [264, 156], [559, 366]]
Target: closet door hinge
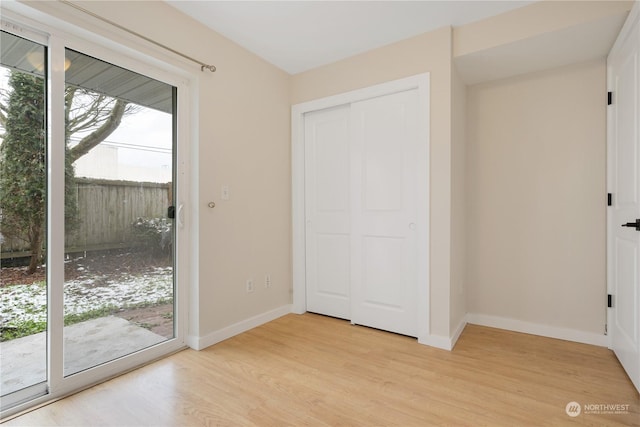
[[609, 301], [609, 199], [609, 98]]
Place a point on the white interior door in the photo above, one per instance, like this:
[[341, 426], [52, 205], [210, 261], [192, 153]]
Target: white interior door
[[624, 214], [384, 220], [327, 212]]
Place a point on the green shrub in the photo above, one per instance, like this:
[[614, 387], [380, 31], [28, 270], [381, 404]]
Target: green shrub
[[155, 233]]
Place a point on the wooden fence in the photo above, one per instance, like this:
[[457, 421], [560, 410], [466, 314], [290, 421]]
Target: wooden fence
[[106, 212]]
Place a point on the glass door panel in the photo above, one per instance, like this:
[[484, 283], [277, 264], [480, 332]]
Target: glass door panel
[[119, 275], [23, 183]]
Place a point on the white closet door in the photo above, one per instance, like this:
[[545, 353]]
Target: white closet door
[[384, 159], [362, 227], [327, 212]]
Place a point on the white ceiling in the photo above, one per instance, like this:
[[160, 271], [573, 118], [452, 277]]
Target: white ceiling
[[300, 35]]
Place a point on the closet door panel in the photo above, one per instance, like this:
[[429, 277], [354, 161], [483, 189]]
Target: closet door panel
[[327, 212], [383, 212]]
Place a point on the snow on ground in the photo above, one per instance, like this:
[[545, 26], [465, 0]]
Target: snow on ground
[[19, 303]]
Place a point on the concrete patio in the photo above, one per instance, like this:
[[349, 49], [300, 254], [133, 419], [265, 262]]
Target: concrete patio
[[23, 361]]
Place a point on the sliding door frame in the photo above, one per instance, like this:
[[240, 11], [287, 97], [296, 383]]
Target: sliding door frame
[[38, 389], [23, 21]]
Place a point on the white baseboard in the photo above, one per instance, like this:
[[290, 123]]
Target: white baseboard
[[437, 341], [441, 342], [444, 343], [538, 329], [458, 332], [199, 343]]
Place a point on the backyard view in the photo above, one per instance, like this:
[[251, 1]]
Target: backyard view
[[132, 285], [118, 287]]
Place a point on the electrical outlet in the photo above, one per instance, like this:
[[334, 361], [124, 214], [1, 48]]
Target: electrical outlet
[[250, 287], [267, 281]]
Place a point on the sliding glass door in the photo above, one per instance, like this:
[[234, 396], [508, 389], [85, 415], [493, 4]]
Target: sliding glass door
[[23, 199], [118, 288], [88, 189]]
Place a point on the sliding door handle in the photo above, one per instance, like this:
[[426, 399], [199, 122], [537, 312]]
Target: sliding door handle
[[181, 215]]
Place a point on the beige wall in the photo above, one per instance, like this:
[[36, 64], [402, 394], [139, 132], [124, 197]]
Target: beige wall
[[458, 202], [430, 52], [514, 184], [536, 198], [243, 134], [530, 21]]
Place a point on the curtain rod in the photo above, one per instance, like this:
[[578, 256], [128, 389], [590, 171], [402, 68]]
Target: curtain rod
[[203, 66]]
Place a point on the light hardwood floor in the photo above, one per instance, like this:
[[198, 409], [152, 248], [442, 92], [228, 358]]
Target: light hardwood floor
[[312, 370]]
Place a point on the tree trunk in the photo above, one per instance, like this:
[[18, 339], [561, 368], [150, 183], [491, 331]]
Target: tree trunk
[[36, 247]]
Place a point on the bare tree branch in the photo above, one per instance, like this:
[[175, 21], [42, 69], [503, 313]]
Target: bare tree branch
[[68, 102], [87, 111], [100, 134]]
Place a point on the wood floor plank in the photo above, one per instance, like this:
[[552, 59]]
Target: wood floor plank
[[310, 370]]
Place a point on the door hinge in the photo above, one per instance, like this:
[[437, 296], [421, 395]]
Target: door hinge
[[609, 301], [606, 332], [609, 98], [609, 199]]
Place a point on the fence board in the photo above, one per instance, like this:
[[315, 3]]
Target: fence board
[[106, 210]]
